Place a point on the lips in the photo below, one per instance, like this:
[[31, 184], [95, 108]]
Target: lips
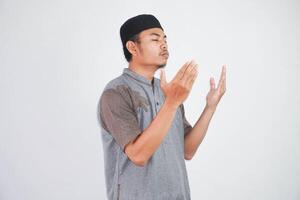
[[165, 54]]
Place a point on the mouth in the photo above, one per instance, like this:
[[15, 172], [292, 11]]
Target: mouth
[[165, 54]]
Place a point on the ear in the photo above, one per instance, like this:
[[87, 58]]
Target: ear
[[131, 47]]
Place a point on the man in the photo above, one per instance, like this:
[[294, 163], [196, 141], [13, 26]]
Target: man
[[146, 137]]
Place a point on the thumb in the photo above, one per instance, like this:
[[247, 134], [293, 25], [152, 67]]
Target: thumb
[[212, 83], [163, 80]]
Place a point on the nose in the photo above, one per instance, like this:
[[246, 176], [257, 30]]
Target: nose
[[164, 45]]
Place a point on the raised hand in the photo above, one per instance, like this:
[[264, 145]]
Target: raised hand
[[215, 94], [179, 88]]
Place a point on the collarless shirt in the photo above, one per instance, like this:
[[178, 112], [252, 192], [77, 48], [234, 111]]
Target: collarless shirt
[[127, 106]]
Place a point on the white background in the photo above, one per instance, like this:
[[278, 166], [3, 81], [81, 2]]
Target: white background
[[56, 57]]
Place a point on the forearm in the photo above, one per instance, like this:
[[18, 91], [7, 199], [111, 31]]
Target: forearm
[[175, 92], [194, 138], [141, 149]]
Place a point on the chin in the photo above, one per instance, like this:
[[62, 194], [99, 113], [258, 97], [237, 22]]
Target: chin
[[161, 65]]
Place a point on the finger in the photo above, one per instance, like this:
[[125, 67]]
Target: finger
[[212, 83], [192, 74], [223, 84], [180, 72], [188, 72], [163, 80], [192, 80], [222, 79]]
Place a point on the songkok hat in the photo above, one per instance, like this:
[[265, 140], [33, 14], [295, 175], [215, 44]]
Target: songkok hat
[[136, 25]]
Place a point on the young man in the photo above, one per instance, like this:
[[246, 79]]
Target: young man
[[146, 137]]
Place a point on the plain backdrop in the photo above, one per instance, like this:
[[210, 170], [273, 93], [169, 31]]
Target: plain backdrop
[[57, 55]]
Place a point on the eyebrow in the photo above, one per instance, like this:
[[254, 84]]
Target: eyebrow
[[156, 34]]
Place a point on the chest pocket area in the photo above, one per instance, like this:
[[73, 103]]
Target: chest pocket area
[[144, 117]]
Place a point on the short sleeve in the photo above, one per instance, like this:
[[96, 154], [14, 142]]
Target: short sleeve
[[118, 117], [186, 125]]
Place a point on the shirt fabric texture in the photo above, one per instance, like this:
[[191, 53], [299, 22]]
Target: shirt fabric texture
[[127, 106]]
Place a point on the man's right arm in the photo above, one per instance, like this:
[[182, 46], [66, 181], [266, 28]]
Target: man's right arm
[[140, 150]]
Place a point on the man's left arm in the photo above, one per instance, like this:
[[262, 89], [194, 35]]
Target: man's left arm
[[195, 136]]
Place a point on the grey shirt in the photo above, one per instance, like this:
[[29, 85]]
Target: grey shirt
[[127, 106]]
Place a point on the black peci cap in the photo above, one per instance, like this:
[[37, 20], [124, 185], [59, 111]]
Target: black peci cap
[[136, 25]]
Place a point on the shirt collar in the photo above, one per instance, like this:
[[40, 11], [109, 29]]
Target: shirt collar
[[139, 77]]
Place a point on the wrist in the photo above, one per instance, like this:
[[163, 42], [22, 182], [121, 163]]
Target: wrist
[[170, 105], [210, 108]]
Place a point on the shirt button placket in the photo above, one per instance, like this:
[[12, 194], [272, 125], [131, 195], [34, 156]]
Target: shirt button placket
[[156, 99]]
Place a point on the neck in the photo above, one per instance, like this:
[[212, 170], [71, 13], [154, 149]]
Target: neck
[[146, 71]]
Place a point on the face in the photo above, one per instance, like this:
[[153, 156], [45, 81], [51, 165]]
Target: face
[[152, 48]]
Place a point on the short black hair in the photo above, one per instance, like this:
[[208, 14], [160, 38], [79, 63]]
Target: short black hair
[[127, 54]]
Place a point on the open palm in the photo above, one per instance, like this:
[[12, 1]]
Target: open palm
[[215, 94]]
